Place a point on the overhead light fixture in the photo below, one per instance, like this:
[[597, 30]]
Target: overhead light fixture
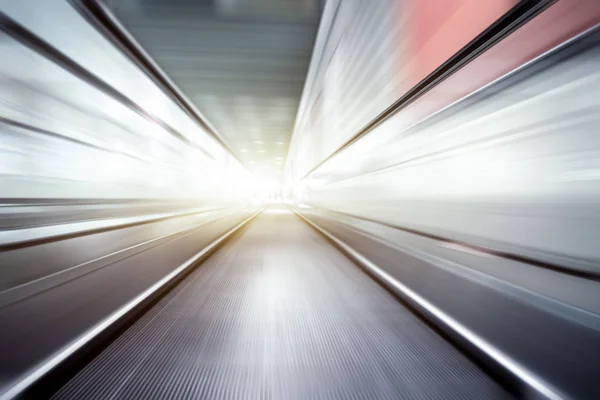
[[279, 143], [258, 141], [279, 158], [243, 150], [261, 151]]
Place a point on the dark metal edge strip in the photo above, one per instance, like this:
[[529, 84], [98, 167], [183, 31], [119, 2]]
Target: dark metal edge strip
[[93, 231]]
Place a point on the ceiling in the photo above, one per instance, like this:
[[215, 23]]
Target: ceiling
[[242, 62]]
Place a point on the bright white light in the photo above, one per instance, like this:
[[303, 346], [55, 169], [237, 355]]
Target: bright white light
[[261, 151], [258, 142], [279, 158], [243, 150]]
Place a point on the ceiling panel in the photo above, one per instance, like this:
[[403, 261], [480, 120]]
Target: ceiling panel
[[242, 62]]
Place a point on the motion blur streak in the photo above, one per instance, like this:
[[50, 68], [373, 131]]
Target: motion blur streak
[[299, 199], [501, 151]]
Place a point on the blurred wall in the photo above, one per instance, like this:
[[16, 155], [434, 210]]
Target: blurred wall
[[373, 53], [62, 136], [512, 167]]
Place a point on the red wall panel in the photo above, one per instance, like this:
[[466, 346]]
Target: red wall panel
[[558, 23], [439, 28]]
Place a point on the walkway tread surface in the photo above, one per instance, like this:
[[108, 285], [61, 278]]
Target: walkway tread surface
[[280, 313]]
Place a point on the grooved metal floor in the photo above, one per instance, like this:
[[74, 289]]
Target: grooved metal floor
[[279, 313]]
